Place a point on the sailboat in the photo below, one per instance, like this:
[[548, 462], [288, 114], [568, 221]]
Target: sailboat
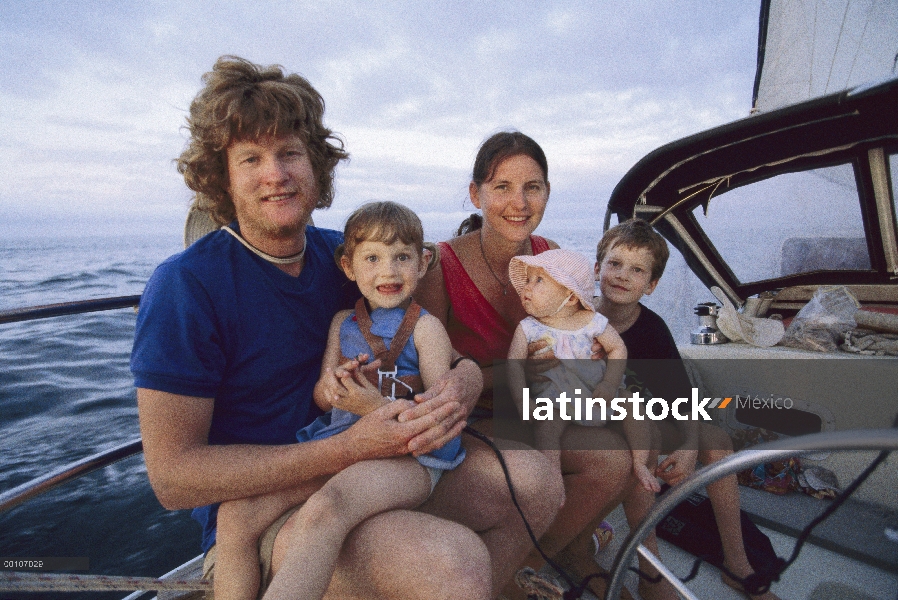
[[797, 197], [779, 213]]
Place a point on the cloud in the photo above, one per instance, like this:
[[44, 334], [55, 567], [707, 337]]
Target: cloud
[[93, 97]]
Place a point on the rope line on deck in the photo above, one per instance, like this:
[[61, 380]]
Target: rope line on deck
[[19, 581]]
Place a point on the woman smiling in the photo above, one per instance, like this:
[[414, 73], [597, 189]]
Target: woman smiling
[[473, 297]]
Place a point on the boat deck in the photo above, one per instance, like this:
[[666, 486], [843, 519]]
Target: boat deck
[[847, 558], [817, 574], [856, 530]]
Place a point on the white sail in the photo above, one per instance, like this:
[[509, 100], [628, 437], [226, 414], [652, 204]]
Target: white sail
[[812, 48]]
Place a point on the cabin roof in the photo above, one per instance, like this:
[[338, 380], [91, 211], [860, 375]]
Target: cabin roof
[[858, 127]]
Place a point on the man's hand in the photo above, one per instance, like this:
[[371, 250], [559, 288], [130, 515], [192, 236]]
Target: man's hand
[[441, 408], [678, 465], [380, 435], [445, 406]]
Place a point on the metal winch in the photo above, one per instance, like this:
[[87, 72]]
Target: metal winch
[[708, 333]]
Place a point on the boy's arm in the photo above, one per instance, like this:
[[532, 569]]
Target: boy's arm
[[680, 463]]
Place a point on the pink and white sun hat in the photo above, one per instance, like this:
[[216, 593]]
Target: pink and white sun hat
[[571, 269]]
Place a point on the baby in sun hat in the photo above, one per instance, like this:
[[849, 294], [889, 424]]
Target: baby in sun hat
[[556, 289]]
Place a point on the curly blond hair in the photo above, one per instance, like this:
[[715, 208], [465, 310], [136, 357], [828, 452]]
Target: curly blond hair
[[244, 101]]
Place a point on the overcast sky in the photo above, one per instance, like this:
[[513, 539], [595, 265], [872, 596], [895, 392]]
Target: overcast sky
[[93, 95]]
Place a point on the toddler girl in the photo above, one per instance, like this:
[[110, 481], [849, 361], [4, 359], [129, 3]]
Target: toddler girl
[[556, 289], [383, 253]]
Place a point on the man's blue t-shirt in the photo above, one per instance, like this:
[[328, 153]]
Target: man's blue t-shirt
[[217, 321]]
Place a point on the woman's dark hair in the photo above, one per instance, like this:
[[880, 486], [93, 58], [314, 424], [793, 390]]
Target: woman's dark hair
[[502, 145], [493, 151]]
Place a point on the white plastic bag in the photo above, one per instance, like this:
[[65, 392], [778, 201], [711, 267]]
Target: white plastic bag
[[821, 324]]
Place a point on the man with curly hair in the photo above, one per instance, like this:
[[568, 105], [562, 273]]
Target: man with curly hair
[[229, 343]]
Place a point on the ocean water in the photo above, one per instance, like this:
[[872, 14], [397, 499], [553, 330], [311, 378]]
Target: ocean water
[[66, 393]]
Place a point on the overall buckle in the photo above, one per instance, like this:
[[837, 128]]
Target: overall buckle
[[390, 375]]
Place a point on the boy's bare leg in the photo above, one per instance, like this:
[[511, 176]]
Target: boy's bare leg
[[476, 495], [637, 504], [714, 445], [240, 524], [323, 523]]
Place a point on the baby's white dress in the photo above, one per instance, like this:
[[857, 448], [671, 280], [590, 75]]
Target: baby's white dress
[[576, 371]]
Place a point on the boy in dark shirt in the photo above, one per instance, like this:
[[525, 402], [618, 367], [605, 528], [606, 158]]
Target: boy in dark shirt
[[630, 260]]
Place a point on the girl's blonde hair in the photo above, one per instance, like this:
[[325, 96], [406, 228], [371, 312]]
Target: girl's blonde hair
[[386, 222]]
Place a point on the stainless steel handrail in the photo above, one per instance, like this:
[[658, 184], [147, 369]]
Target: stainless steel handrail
[[869, 439], [67, 308], [39, 485], [74, 470]]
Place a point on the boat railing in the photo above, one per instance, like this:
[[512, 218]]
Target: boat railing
[[67, 308], [44, 483], [870, 439], [19, 494], [176, 581]]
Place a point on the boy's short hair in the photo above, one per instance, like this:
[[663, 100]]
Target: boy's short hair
[[385, 222], [636, 233]]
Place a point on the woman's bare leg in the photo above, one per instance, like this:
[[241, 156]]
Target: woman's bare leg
[[322, 524], [594, 482], [476, 495]]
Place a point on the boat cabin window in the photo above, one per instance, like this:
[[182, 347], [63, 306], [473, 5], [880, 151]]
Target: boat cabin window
[[790, 223]]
